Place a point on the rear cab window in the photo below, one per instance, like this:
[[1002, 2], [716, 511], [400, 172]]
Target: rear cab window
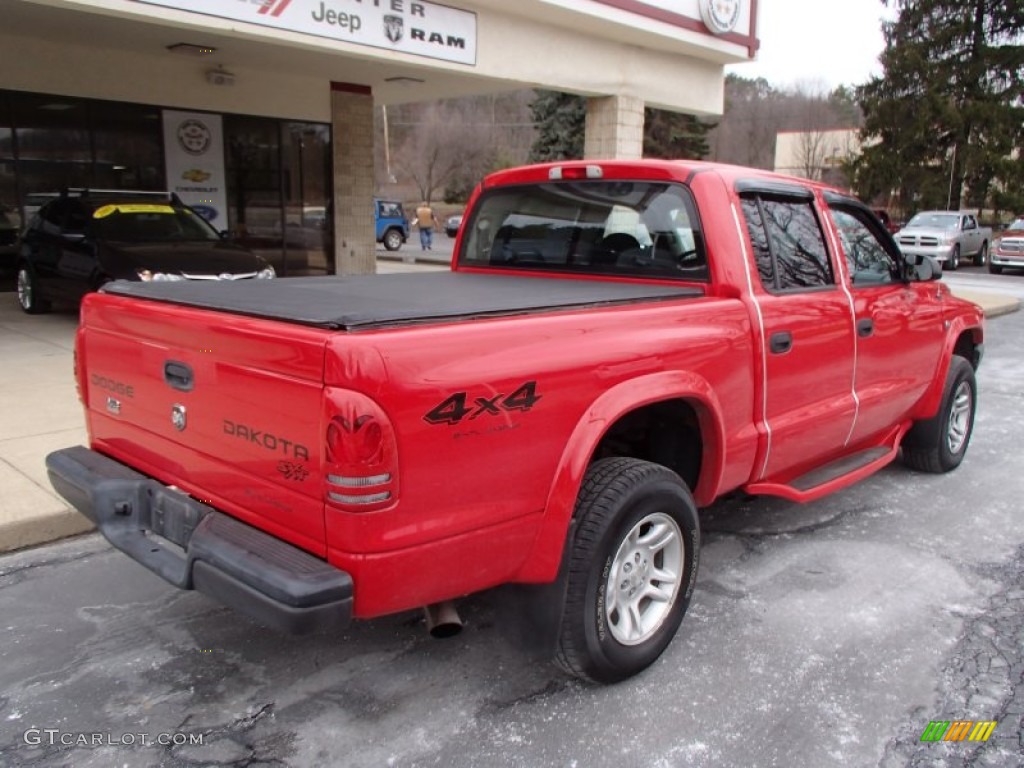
[[637, 229]]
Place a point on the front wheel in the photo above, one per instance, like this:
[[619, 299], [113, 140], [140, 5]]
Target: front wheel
[[954, 259], [392, 240], [938, 444], [995, 269], [632, 568]]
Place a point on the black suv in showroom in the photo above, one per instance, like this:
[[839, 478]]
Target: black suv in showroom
[[81, 239]]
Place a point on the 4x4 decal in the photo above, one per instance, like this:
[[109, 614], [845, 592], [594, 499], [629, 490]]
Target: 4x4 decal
[[457, 407]]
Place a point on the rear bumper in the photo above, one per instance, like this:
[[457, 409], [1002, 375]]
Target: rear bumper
[[192, 546]]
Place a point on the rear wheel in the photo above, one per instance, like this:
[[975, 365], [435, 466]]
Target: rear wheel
[[981, 257], [392, 239], [940, 443], [28, 292], [631, 572]]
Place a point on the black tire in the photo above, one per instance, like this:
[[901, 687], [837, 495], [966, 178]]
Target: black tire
[[621, 502], [393, 240], [939, 444], [29, 298], [994, 269], [954, 259], [981, 257]]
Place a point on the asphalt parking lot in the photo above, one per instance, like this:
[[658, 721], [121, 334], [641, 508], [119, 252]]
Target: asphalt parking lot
[[828, 634]]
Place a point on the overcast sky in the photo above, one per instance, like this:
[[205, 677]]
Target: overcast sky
[[832, 42]]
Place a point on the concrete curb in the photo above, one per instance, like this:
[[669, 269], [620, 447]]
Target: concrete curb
[[993, 304], [44, 528], [415, 257]]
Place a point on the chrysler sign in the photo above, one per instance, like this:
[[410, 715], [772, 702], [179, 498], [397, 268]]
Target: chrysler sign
[[406, 26]]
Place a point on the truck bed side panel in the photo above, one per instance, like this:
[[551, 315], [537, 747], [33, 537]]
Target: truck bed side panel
[[483, 413]]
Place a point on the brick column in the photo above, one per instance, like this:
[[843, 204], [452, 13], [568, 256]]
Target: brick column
[[352, 135], [615, 128]]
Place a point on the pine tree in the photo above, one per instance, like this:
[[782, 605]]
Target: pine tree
[[561, 126], [674, 135], [945, 122]]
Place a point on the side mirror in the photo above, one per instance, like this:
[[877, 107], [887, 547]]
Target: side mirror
[[922, 268]]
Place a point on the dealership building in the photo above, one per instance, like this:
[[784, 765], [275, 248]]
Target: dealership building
[[260, 112]]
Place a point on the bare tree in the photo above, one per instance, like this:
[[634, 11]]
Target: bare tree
[[437, 148], [757, 112], [448, 146], [746, 133], [816, 118]]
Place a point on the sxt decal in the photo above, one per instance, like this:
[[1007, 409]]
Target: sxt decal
[[458, 407], [292, 470]]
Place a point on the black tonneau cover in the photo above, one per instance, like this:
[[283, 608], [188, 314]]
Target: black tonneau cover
[[378, 301]]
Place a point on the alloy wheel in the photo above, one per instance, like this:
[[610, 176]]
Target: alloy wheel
[[644, 578], [959, 418]]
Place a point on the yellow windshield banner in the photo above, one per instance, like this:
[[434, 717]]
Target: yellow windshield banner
[[106, 210]]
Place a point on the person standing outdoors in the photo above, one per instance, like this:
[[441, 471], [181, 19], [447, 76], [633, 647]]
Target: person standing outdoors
[[426, 220]]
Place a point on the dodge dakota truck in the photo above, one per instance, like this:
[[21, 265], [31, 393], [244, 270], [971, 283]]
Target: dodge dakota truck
[[946, 236], [617, 345]]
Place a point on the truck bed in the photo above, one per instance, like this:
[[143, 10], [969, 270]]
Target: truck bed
[[364, 302]]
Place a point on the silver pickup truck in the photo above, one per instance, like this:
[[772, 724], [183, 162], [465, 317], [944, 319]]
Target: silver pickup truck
[[946, 236]]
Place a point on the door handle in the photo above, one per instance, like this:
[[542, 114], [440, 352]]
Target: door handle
[[179, 376], [781, 342], [865, 327]]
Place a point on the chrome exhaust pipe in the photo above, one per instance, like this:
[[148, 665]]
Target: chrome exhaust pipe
[[442, 619]]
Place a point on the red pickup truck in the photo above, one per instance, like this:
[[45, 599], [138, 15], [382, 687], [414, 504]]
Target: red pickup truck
[[617, 345]]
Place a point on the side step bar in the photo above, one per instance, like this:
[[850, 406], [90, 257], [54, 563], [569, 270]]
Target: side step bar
[[839, 474]]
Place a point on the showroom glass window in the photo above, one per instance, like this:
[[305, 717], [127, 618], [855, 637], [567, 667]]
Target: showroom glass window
[[10, 214], [279, 173], [278, 176], [53, 143], [128, 142]]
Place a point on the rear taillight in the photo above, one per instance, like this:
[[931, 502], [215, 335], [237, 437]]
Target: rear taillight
[[360, 454], [79, 365]]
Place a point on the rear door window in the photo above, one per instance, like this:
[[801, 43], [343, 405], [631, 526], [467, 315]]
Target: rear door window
[[788, 243]]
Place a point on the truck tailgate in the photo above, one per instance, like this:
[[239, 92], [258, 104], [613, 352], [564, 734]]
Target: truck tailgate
[[229, 413]]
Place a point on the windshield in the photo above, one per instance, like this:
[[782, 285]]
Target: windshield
[[145, 223], [1017, 226], [390, 210], [935, 220], [628, 228]]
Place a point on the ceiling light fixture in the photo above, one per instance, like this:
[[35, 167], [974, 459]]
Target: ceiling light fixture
[[191, 49]]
